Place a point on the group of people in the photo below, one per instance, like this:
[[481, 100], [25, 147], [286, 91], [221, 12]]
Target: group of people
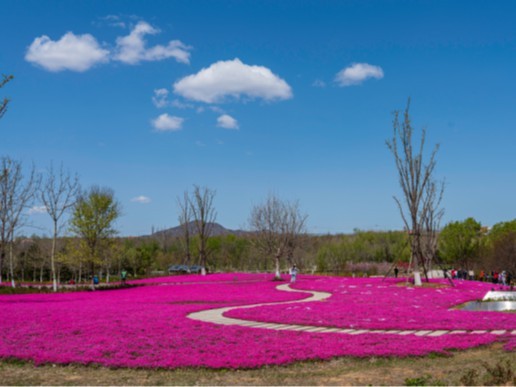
[[504, 278], [462, 274]]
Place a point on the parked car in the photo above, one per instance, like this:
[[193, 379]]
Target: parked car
[[178, 269], [195, 269]]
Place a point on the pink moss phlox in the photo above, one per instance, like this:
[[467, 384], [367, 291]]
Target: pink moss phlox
[[148, 326]]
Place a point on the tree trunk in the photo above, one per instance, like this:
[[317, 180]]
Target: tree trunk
[[277, 262], [52, 258], [11, 264], [2, 257]]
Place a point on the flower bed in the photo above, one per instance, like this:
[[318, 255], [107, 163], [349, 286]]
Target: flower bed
[[373, 303], [147, 326], [376, 304]]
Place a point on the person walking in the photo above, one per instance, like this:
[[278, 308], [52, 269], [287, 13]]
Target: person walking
[[293, 274]]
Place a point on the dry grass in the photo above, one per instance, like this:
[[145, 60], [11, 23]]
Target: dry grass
[[444, 370]]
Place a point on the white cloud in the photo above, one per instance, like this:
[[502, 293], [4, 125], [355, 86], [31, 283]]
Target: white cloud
[[319, 83], [358, 73], [113, 21], [160, 98], [181, 105], [167, 123], [37, 210], [131, 49], [71, 52], [227, 122], [235, 79], [141, 199]]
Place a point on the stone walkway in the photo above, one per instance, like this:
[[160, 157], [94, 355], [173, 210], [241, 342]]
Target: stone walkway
[[216, 316]]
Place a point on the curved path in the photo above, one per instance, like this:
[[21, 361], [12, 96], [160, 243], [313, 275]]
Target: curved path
[[216, 316]]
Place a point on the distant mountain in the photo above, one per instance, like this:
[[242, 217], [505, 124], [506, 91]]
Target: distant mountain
[[217, 230]]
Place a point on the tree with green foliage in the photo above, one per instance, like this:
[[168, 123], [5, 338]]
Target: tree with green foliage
[[459, 242], [502, 247], [94, 215], [501, 229]]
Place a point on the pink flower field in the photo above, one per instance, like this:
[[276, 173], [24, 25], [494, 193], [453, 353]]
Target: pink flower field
[[147, 326]]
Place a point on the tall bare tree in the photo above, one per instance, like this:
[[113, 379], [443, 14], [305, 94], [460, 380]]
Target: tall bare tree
[[5, 101], [277, 225], [16, 196], [204, 216], [414, 177], [58, 193], [431, 216], [185, 219]]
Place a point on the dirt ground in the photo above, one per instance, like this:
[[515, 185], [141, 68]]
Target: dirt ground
[[482, 366]]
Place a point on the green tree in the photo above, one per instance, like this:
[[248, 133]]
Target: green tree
[[459, 242], [93, 219], [502, 247], [501, 229]]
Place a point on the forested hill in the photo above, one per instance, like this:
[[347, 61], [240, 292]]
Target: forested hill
[[216, 230]]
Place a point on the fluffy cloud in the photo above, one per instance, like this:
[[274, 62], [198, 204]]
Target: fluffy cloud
[[81, 52], [141, 199], [131, 49], [358, 73], [167, 123], [71, 52], [227, 122], [235, 79], [160, 98]]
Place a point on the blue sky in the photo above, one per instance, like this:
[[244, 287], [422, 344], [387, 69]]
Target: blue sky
[[253, 97]]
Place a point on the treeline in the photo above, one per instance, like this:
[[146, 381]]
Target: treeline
[[471, 246], [364, 252], [277, 237], [464, 244]]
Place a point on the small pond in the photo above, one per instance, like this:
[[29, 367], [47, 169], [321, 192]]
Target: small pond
[[490, 306]]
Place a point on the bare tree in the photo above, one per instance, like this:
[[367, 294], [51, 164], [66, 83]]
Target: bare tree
[[16, 195], [431, 216], [414, 178], [58, 193], [204, 216], [5, 102], [185, 219], [295, 223], [278, 225]]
